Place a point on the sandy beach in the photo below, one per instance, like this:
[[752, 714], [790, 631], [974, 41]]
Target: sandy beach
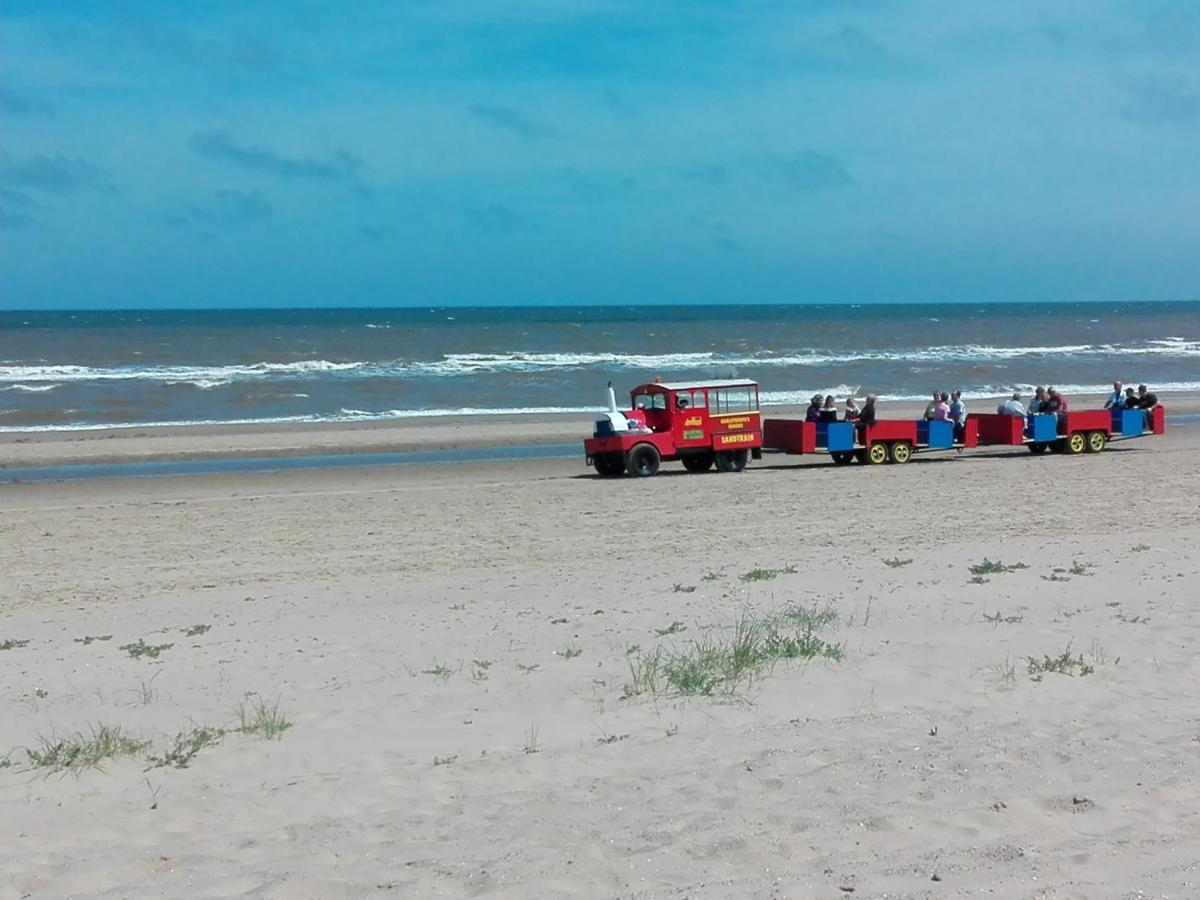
[[460, 656]]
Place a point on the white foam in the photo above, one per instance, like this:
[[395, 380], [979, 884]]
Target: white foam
[[31, 388]]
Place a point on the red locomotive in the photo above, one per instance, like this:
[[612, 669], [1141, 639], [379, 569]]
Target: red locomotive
[[697, 423]]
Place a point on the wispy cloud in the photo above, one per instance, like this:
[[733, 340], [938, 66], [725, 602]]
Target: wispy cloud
[[221, 145], [809, 170], [508, 119], [56, 174], [1162, 99], [15, 104]]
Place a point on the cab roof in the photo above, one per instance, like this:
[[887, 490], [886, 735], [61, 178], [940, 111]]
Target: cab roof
[[692, 385]]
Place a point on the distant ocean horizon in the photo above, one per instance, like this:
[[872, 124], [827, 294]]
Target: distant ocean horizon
[[122, 368]]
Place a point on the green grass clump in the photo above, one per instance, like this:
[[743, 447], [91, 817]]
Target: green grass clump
[[683, 588], [896, 562], [723, 661], [140, 648], [1063, 664], [196, 630], [87, 639], [13, 644], [185, 747], [673, 628], [261, 719], [987, 567], [767, 574], [571, 651], [712, 575], [812, 617], [80, 751], [1139, 548]]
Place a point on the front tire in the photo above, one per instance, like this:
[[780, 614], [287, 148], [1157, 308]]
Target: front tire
[[732, 460], [1096, 441], [608, 465], [643, 461], [698, 462]]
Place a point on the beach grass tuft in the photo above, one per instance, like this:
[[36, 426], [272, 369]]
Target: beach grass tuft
[[571, 651], [79, 751], [139, 649], [987, 567], [185, 746], [896, 562], [89, 638], [1063, 664], [196, 630], [673, 628], [683, 588], [13, 644], [261, 718], [761, 574]]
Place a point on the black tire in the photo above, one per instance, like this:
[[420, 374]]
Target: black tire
[[900, 453], [1038, 449], [1059, 446], [842, 457], [1075, 444], [877, 454], [732, 460], [643, 460], [697, 462], [609, 465], [1096, 441]]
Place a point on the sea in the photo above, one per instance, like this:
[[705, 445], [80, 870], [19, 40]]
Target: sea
[[112, 369]]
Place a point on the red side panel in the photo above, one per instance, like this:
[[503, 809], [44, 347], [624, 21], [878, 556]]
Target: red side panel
[[619, 443], [1158, 420], [994, 428], [971, 432], [1088, 420], [892, 430], [789, 435]]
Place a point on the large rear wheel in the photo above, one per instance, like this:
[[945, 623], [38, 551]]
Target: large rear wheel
[[698, 462], [732, 460], [1096, 441], [901, 452], [609, 464], [643, 460], [1077, 443]]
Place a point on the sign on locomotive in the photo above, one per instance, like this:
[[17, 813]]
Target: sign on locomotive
[[701, 423]]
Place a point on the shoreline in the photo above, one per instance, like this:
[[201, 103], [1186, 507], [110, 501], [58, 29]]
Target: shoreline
[[178, 443]]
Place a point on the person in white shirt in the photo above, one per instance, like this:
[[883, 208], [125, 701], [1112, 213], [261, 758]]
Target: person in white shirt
[[1012, 407], [1116, 400]]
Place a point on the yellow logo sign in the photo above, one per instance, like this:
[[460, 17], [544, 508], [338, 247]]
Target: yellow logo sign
[[693, 422], [743, 438]]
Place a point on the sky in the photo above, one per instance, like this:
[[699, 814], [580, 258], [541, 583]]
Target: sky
[[247, 154]]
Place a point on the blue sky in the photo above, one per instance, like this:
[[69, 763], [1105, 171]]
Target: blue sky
[[429, 153]]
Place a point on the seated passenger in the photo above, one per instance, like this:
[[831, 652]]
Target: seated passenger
[[1146, 402], [1055, 403], [1116, 400], [941, 409], [932, 405], [958, 415], [1038, 403], [851, 409], [1131, 399], [866, 417], [813, 413], [829, 410], [1012, 407]]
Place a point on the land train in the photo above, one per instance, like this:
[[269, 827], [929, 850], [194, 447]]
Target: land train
[[707, 423]]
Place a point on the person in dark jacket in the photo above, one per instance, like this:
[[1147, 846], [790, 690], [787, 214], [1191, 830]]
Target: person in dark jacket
[[813, 413], [829, 410]]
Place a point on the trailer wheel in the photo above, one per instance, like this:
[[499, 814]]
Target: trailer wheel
[[698, 462], [732, 460], [1038, 448], [609, 464], [841, 457], [877, 454], [901, 452], [643, 460], [1096, 441], [1059, 446], [1076, 443]]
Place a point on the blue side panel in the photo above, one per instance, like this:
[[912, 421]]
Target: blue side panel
[[1043, 427], [937, 435], [839, 436], [823, 432], [1133, 421]]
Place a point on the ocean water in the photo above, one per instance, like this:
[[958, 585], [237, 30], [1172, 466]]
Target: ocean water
[[61, 370]]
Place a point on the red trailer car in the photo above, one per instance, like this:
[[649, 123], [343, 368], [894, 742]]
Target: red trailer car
[[696, 423], [1087, 431], [888, 440]]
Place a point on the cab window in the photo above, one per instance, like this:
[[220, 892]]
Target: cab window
[[734, 399], [649, 401], [690, 400]]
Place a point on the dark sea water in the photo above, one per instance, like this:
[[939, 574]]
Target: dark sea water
[[87, 369]]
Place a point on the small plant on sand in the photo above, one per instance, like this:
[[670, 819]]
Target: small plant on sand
[[571, 651], [527, 669], [998, 618], [1005, 672], [606, 738], [80, 751], [13, 644], [1078, 568], [1056, 575], [896, 562], [767, 574], [261, 718], [87, 639], [479, 669], [812, 617], [140, 649], [673, 628], [978, 579], [713, 575], [683, 588], [185, 746], [1063, 664], [439, 670], [1139, 548], [987, 567], [531, 740], [196, 630], [445, 760]]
